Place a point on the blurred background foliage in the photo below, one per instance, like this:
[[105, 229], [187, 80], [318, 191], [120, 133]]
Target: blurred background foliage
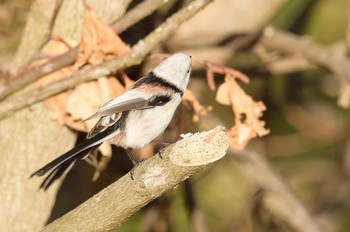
[[308, 145]]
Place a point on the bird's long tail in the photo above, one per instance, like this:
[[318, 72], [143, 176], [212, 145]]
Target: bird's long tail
[[66, 161]]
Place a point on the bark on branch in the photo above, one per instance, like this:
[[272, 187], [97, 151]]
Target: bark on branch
[[35, 73], [116, 203]]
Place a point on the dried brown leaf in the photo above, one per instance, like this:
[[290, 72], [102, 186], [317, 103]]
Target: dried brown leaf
[[97, 44], [247, 124], [98, 40], [87, 98]]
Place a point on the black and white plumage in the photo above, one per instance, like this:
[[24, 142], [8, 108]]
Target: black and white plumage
[[133, 119]]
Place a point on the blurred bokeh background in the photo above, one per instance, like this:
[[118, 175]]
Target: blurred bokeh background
[[309, 143]]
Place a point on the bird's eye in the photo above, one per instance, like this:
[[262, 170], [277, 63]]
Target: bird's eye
[[159, 100], [188, 70]]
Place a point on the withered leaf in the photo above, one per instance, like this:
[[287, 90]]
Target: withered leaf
[[247, 123]]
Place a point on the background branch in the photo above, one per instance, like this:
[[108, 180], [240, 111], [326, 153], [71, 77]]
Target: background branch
[[315, 53], [116, 203], [338, 64], [139, 12], [135, 56]]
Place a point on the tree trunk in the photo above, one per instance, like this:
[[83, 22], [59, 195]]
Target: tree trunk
[[30, 138]]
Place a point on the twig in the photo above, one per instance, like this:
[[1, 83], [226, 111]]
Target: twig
[[37, 72], [317, 54], [288, 65], [116, 203], [135, 56], [213, 68], [140, 11], [131, 17], [48, 35]]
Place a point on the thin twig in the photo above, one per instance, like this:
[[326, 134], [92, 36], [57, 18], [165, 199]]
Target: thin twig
[[139, 12], [36, 72], [48, 35], [116, 203], [213, 68]]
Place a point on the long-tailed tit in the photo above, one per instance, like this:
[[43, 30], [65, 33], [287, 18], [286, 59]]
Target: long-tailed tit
[[133, 119]]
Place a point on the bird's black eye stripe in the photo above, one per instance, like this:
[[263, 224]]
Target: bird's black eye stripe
[[153, 79], [159, 100]]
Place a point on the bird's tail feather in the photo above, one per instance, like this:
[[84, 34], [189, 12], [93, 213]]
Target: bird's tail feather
[[63, 163], [64, 167]]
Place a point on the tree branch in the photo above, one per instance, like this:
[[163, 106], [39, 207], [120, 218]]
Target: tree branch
[[315, 53], [287, 65], [35, 73], [293, 44], [139, 12], [135, 56], [116, 203]]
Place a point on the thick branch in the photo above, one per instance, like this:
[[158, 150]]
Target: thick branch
[[135, 56], [116, 203]]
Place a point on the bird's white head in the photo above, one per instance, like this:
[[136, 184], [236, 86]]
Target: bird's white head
[[176, 69]]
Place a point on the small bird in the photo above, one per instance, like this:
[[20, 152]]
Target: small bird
[[133, 119]]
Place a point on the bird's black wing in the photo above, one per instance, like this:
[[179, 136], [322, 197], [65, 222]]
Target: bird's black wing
[[114, 107]]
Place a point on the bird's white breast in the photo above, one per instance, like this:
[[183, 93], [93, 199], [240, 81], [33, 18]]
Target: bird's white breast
[[143, 126]]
